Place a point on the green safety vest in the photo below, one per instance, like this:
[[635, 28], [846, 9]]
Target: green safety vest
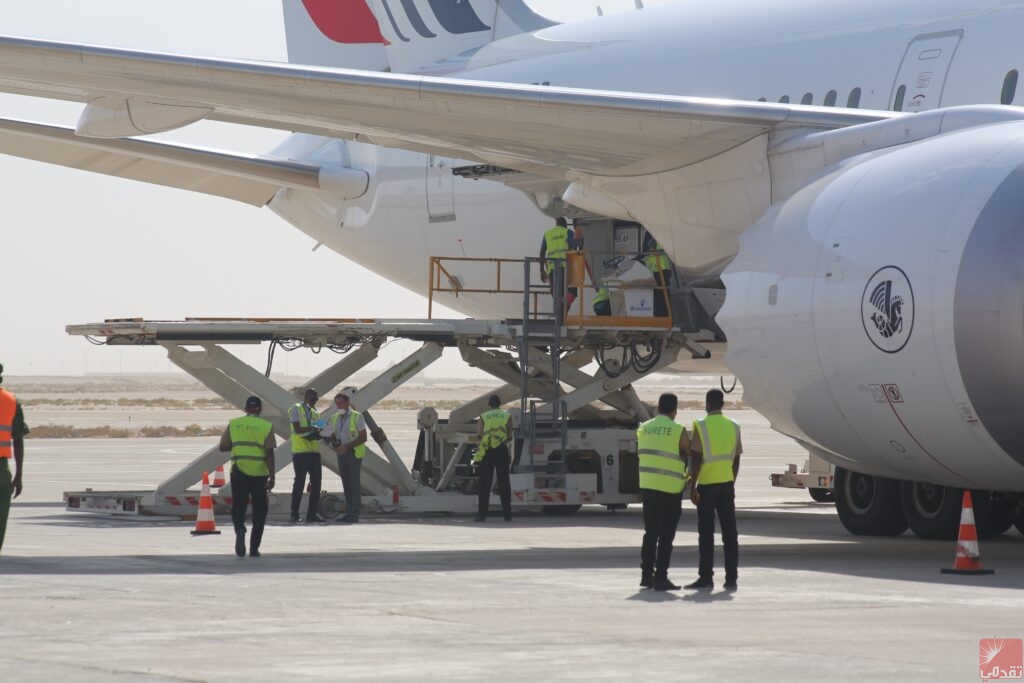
[[556, 242], [495, 432], [353, 431], [601, 296], [657, 261], [307, 416], [719, 436], [662, 468], [248, 436]]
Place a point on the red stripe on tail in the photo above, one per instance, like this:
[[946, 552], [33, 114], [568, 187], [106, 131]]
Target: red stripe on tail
[[345, 21]]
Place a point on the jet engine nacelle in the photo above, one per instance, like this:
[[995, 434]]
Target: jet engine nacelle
[[877, 316]]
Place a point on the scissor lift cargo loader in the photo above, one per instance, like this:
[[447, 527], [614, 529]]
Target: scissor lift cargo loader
[[566, 451]]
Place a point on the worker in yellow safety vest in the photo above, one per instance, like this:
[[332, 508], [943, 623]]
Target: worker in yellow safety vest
[[716, 454], [662, 444], [602, 301], [12, 445], [657, 262], [348, 438], [250, 440], [305, 442], [494, 432], [557, 241]]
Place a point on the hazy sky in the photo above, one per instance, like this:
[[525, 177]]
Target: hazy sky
[[80, 247]]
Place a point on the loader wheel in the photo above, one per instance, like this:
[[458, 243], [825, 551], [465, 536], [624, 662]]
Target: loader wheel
[[822, 495]]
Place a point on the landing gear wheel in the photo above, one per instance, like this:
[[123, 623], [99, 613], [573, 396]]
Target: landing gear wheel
[[932, 511], [560, 510], [822, 495], [867, 505], [993, 511], [1018, 520]]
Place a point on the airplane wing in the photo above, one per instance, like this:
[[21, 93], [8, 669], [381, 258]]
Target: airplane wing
[[556, 132], [248, 179]]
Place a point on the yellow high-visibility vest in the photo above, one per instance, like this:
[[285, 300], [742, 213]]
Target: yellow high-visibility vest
[[307, 416], [556, 242], [719, 436], [657, 260], [353, 430], [495, 432], [601, 296], [662, 468], [248, 436]]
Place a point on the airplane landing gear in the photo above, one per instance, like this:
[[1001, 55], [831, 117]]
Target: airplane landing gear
[[867, 505]]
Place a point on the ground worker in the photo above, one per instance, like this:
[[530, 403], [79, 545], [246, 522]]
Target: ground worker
[[657, 262], [716, 462], [306, 455], [12, 443], [662, 445], [348, 438], [494, 432], [602, 301], [557, 241], [250, 439]]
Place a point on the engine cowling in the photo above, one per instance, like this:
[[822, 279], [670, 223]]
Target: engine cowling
[[877, 315]]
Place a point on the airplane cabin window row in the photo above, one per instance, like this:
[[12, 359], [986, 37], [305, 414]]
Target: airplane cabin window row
[[853, 101]]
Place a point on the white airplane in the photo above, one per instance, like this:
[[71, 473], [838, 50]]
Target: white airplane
[[867, 237]]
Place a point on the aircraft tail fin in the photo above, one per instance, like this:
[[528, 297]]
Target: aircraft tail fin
[[420, 33], [399, 35], [334, 33]]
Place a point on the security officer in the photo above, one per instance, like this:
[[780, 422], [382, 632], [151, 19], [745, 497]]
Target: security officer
[[348, 438], [557, 241], [12, 443], [662, 444], [306, 455], [657, 262], [251, 442], [494, 432], [716, 462]]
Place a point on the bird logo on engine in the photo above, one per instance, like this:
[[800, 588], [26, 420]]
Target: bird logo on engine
[[887, 309]]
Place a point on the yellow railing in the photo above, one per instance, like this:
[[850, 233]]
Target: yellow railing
[[442, 280]]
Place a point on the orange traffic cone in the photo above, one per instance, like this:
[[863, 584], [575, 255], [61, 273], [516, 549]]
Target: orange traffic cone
[[218, 476], [204, 517], [968, 559]]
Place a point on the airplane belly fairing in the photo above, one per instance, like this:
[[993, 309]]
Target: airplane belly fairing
[[878, 314]]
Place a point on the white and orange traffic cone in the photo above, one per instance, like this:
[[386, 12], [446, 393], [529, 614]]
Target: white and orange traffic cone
[[968, 558], [218, 476], [205, 523]]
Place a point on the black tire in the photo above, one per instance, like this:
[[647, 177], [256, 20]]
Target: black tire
[[993, 511], [560, 510], [868, 505], [822, 495], [1018, 520], [931, 511], [330, 506]]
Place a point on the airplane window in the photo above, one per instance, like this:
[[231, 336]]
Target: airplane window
[[784, 99], [901, 92], [830, 98], [853, 101], [808, 98], [1009, 87], [762, 99]]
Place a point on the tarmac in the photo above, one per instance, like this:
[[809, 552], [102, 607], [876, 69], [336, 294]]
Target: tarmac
[[95, 598]]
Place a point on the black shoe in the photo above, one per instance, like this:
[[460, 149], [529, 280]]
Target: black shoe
[[479, 518], [730, 585], [664, 585], [314, 519], [295, 518], [647, 581], [240, 543], [700, 585], [253, 552]]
